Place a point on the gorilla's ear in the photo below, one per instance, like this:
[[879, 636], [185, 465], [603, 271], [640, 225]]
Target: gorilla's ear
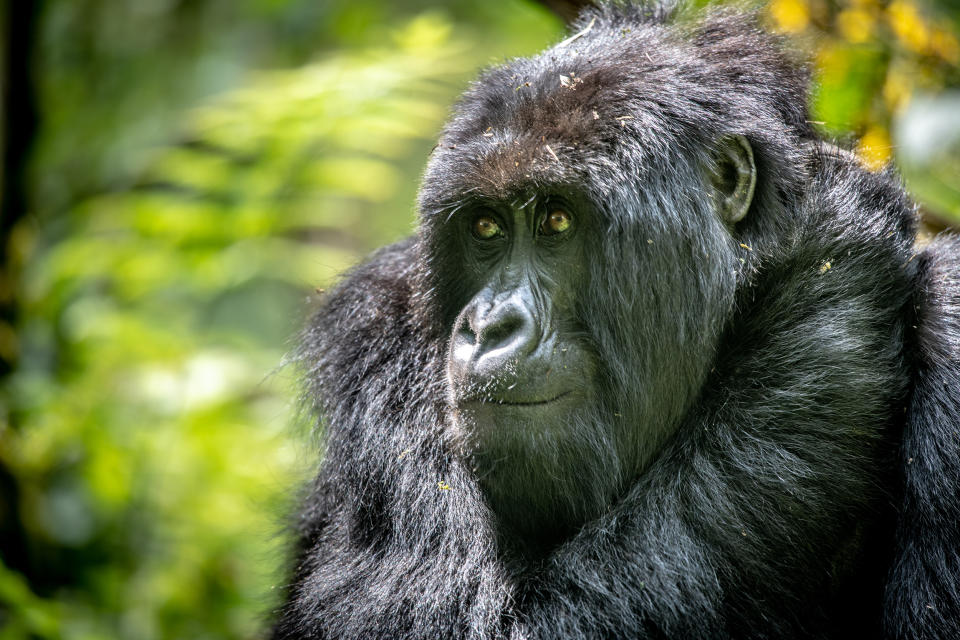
[[734, 177]]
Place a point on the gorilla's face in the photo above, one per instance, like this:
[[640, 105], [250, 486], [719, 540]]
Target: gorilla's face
[[523, 385], [581, 287], [579, 326], [514, 358]]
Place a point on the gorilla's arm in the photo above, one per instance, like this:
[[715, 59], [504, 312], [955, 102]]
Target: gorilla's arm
[[394, 539], [924, 590]]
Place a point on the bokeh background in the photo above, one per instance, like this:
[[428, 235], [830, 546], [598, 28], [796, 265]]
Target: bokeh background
[[180, 176]]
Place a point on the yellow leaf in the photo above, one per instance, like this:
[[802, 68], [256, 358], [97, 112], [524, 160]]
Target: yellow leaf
[[874, 148], [790, 15], [907, 24], [856, 25]]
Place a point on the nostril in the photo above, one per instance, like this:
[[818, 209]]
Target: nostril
[[464, 343], [505, 333], [501, 331], [489, 336], [465, 332]]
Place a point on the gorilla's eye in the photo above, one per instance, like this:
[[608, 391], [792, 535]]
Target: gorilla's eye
[[557, 221], [485, 227]]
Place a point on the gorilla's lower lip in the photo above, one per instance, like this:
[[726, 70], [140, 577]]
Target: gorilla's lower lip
[[517, 403]]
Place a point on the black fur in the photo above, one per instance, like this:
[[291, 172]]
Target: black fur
[[792, 383]]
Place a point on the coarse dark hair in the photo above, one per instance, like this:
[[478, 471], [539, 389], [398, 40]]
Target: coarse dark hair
[[791, 467]]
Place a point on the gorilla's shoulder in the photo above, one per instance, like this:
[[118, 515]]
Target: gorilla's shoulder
[[927, 567], [362, 330], [940, 286], [854, 201], [370, 291]]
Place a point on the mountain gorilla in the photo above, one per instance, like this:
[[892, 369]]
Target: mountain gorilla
[[658, 363]]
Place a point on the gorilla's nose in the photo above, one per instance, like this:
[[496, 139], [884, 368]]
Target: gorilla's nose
[[491, 336]]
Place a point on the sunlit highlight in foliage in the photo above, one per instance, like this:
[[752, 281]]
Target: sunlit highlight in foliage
[[874, 147], [791, 16]]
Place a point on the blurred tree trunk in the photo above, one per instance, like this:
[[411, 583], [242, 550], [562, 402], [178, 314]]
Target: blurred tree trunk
[[18, 112]]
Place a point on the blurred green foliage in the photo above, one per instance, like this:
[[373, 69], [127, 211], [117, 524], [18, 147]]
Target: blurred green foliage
[[882, 71], [200, 168], [168, 263]]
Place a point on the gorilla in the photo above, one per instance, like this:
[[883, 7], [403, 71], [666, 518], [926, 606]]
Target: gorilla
[[659, 362]]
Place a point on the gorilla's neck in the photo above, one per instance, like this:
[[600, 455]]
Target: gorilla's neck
[[544, 484]]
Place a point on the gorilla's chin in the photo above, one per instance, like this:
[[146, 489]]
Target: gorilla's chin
[[544, 468]]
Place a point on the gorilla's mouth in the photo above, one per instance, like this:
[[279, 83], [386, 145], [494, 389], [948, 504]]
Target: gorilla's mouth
[[517, 402]]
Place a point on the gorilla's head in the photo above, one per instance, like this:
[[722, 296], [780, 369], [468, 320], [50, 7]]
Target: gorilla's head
[[584, 223]]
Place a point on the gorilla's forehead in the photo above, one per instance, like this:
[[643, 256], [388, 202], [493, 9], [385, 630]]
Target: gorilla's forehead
[[555, 138], [505, 166], [566, 117]]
